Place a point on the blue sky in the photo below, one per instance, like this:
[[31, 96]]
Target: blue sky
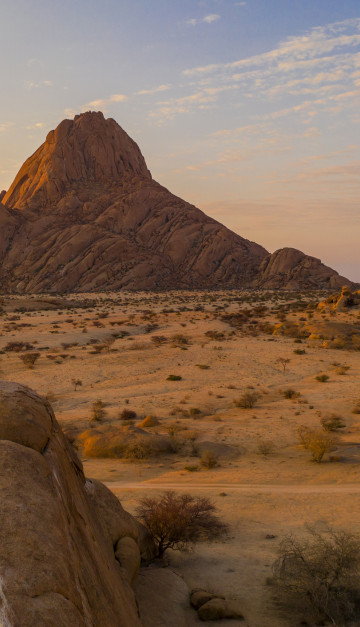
[[250, 110]]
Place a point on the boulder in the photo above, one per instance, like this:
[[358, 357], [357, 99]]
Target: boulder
[[199, 597], [163, 598], [218, 608], [59, 565], [149, 421]]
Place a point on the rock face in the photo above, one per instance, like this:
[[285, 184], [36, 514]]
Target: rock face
[[68, 550], [291, 269], [83, 214]]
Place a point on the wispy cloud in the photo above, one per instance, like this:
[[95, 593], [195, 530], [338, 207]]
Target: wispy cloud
[[5, 125], [208, 19], [103, 103], [154, 90], [37, 84], [319, 41], [37, 125]]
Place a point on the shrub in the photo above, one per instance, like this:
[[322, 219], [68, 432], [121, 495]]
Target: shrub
[[76, 383], [127, 414], [320, 575], [139, 448], [17, 347], [158, 340], [98, 412], [247, 400], [322, 378], [342, 370], [194, 411], [290, 393], [356, 408], [317, 442], [265, 447], [174, 377], [179, 340], [332, 423], [177, 521], [208, 460], [283, 362], [299, 351], [29, 359]]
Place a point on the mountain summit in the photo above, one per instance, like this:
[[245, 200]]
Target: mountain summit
[[86, 149], [83, 214]]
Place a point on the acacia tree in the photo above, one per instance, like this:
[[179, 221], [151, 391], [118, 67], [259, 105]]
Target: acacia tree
[[176, 521]]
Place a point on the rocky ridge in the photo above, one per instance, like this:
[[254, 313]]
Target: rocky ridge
[[84, 214]]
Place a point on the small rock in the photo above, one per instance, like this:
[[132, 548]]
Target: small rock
[[198, 597]]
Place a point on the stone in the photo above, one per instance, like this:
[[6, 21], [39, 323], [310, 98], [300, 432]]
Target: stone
[[163, 598], [218, 608], [198, 597], [149, 421], [58, 561], [127, 553], [214, 609]]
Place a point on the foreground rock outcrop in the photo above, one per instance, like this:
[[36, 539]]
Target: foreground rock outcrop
[[68, 550], [84, 214]]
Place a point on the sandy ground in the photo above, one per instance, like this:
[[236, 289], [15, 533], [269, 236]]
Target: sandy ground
[[257, 494]]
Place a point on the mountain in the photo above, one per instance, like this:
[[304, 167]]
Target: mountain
[[84, 214]]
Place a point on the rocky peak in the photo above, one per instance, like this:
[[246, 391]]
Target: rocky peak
[[87, 150]]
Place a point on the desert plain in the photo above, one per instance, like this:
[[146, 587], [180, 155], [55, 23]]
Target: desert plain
[[187, 360]]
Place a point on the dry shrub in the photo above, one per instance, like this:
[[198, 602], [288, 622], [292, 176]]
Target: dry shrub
[[29, 359], [265, 447], [127, 414], [158, 340], [317, 442], [290, 393], [17, 347], [208, 460], [179, 340], [98, 412], [332, 422], [247, 400], [322, 378], [356, 408], [178, 520], [320, 576]]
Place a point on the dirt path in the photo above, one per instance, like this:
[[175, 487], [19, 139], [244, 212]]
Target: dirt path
[[336, 488]]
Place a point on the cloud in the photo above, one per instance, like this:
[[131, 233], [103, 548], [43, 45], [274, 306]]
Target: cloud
[[317, 42], [103, 103], [117, 98], [37, 125], [208, 19], [36, 85], [154, 90], [5, 125], [213, 17]]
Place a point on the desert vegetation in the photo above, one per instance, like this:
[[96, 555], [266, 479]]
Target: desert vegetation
[[211, 394]]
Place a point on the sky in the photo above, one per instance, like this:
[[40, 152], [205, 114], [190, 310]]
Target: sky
[[248, 109]]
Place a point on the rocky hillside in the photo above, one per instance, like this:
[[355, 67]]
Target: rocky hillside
[[83, 214], [68, 550]]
